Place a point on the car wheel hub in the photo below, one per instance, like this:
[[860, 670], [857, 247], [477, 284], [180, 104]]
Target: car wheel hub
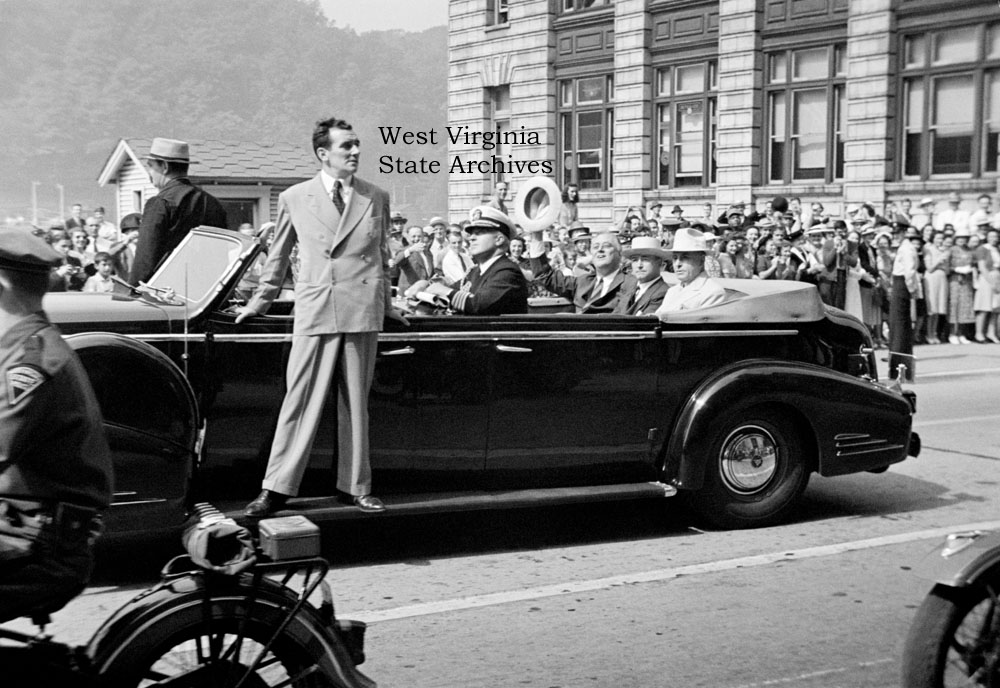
[[749, 459]]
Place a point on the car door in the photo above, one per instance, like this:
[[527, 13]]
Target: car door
[[429, 404], [573, 401]]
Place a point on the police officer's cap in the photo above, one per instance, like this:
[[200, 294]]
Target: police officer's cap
[[24, 252], [485, 217]]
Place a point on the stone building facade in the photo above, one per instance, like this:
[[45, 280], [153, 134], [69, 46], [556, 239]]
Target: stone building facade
[[691, 102]]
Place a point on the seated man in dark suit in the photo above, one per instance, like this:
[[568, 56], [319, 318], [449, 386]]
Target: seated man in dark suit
[[600, 292], [495, 285], [647, 257]]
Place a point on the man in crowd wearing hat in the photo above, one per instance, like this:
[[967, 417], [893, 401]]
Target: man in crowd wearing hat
[[694, 289], [495, 285], [179, 207], [822, 266], [397, 223], [653, 211], [646, 258], [579, 237], [123, 252], [953, 215], [438, 238], [925, 214], [340, 224], [55, 465], [499, 199], [598, 292]]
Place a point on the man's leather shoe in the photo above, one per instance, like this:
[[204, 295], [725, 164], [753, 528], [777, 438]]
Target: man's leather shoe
[[369, 504], [267, 503]]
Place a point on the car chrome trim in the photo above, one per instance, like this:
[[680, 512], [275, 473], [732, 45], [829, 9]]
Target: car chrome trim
[[139, 501], [480, 335]]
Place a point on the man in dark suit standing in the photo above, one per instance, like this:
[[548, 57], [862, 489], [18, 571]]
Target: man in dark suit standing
[[597, 292], [495, 285], [340, 224], [179, 207], [647, 258]]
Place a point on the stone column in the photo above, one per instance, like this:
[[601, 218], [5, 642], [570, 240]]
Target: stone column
[[869, 148], [480, 57], [633, 127], [741, 79]]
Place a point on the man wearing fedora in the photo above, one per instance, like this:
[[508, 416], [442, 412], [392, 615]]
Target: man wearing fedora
[[179, 207], [495, 285], [646, 257], [694, 289], [340, 224]]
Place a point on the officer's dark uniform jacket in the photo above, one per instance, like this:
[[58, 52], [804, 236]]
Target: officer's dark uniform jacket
[[52, 445], [55, 470], [179, 207], [502, 289]]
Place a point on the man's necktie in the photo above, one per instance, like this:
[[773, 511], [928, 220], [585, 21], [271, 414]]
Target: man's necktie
[[337, 199]]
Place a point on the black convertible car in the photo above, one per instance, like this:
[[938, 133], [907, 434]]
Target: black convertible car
[[732, 406]]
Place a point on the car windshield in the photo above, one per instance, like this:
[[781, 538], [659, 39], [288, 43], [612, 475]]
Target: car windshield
[[197, 268]]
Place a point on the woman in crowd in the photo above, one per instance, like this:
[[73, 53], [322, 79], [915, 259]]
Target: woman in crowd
[[960, 288], [871, 310], [937, 262], [918, 309], [854, 297], [987, 298], [884, 257]]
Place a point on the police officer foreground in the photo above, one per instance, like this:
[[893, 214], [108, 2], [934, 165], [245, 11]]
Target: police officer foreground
[[55, 466]]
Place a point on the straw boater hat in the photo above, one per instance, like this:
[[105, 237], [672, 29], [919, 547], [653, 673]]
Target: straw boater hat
[[435, 221], [169, 150], [688, 240], [819, 229], [645, 246], [578, 231]]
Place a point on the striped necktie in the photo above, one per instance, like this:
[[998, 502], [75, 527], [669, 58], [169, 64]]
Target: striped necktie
[[337, 199]]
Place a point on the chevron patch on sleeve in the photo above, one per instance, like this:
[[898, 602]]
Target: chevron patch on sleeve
[[22, 381]]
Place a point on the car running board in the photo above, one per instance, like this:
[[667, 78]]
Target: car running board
[[320, 509]]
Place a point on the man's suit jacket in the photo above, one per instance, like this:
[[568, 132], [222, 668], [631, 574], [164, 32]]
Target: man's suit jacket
[[343, 278], [645, 304], [501, 289], [581, 289], [179, 207], [413, 268], [702, 291]]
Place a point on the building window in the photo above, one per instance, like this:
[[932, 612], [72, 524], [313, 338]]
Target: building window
[[806, 114], [951, 102], [686, 124], [577, 5], [585, 131], [497, 13], [499, 104]]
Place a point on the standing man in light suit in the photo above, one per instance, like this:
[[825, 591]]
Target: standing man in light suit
[[341, 226]]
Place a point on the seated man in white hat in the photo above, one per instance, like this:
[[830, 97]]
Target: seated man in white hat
[[647, 258], [695, 289]]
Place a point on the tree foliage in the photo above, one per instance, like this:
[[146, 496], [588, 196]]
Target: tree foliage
[[77, 75]]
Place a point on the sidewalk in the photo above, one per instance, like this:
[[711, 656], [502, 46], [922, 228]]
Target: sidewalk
[[947, 358]]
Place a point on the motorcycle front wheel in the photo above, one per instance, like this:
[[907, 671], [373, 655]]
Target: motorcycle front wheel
[[954, 640]]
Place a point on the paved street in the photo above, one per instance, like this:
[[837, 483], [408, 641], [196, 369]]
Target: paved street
[[630, 595]]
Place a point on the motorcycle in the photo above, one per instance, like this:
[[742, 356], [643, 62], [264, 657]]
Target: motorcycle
[[215, 619], [955, 637]]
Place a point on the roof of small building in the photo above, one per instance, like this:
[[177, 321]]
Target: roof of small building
[[234, 160]]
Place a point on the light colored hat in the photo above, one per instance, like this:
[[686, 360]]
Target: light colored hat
[[169, 150], [764, 223], [645, 246], [927, 200], [819, 229], [437, 221], [688, 240], [428, 229]]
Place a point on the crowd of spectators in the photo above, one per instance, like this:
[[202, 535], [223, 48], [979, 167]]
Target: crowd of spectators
[[955, 292]]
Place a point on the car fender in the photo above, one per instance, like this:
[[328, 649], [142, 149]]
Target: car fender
[[847, 424], [152, 423]]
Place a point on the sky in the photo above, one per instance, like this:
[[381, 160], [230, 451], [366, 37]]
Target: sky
[[372, 15]]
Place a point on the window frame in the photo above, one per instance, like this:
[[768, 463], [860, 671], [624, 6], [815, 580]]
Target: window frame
[[569, 112], [923, 73], [788, 87], [707, 96], [497, 12], [574, 6]]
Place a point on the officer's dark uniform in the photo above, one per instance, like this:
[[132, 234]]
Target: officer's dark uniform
[[55, 466]]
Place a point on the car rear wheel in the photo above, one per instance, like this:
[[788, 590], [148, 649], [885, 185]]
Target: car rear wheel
[[756, 471]]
